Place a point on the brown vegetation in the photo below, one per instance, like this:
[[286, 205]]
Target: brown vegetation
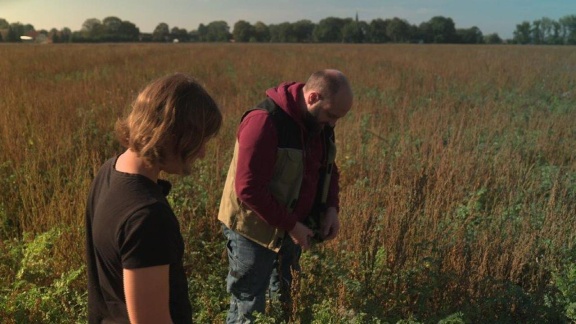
[[458, 165]]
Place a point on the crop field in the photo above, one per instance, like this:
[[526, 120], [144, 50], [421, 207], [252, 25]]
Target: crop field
[[458, 177]]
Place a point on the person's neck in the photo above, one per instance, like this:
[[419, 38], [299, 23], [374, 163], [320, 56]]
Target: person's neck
[[130, 162]]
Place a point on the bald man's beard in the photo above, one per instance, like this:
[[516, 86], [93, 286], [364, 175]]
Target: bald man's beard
[[312, 125]]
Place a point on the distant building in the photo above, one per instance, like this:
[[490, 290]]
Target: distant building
[[29, 37], [35, 37]]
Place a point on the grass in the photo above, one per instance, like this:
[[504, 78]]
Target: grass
[[458, 177]]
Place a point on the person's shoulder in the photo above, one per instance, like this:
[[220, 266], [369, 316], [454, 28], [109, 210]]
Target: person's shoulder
[[102, 178], [256, 113], [134, 191], [258, 117], [106, 167]]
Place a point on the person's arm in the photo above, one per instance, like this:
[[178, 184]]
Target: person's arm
[[147, 294]]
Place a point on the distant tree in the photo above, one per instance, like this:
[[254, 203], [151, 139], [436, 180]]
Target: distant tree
[[352, 32], [92, 30], [181, 34], [568, 29], [91, 26], [472, 35], [493, 38], [218, 31], [261, 32], [546, 31], [377, 31], [302, 31], [398, 30], [243, 31], [128, 31], [364, 30], [4, 23], [551, 31], [202, 33], [65, 35], [77, 37], [161, 33], [536, 33], [112, 24], [12, 35], [557, 37], [193, 36], [54, 35], [274, 32], [414, 32], [28, 28], [282, 33], [329, 30], [546, 26], [109, 31], [425, 33], [522, 33], [439, 29]]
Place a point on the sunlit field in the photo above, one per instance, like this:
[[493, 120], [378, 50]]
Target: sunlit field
[[458, 178]]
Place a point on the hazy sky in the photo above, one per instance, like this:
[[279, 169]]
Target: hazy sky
[[491, 16]]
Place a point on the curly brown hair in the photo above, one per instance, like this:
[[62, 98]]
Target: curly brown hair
[[171, 113]]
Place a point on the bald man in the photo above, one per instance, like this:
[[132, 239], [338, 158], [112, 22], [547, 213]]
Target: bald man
[[282, 177]]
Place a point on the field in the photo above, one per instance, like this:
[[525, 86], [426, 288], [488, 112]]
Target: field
[[458, 177]]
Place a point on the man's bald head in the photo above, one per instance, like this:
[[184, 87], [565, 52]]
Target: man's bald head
[[327, 96], [327, 82]]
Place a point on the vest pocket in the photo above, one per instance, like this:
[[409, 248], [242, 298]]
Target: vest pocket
[[288, 171]]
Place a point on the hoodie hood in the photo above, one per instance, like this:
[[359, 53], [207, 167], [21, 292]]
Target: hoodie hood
[[286, 95]]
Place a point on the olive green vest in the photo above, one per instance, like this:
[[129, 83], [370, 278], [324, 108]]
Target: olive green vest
[[285, 184]]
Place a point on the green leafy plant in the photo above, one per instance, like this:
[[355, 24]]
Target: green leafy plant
[[36, 293]]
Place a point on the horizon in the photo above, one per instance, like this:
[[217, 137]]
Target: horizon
[[490, 16]]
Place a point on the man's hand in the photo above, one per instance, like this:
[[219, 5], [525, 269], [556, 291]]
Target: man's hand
[[330, 224], [301, 235]]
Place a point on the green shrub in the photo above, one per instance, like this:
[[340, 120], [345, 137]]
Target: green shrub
[[36, 294]]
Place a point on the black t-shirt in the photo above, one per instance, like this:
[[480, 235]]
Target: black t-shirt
[[129, 225]]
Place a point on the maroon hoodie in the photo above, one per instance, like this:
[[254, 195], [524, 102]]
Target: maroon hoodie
[[257, 149]]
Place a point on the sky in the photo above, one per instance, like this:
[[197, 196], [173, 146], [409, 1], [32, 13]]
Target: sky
[[491, 16]]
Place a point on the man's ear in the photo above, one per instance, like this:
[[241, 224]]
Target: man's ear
[[312, 98]]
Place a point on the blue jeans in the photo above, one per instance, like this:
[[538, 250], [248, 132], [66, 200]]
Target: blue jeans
[[255, 270]]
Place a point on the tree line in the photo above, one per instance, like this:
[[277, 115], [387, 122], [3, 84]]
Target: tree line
[[439, 29]]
